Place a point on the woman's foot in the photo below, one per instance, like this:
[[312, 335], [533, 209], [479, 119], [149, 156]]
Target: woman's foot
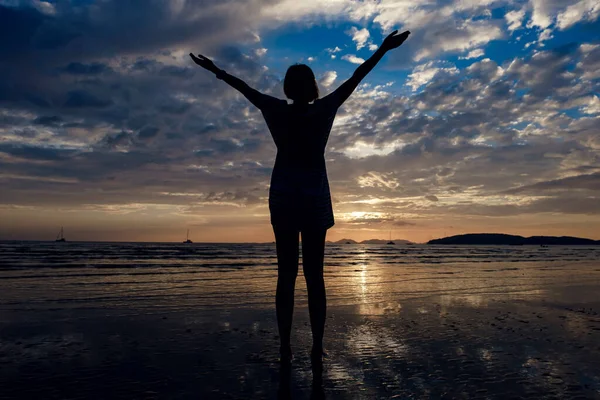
[[318, 354], [285, 354], [316, 361]]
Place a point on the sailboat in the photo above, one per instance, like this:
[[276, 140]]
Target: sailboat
[[61, 236], [187, 238], [390, 242]]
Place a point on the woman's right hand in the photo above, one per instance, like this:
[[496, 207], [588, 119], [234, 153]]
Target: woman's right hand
[[204, 62], [392, 40]]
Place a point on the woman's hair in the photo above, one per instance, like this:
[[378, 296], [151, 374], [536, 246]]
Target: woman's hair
[[300, 84]]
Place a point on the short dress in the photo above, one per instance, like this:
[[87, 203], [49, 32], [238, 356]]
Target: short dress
[[299, 196]]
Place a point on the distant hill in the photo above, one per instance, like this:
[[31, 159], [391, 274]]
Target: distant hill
[[502, 239], [370, 241], [384, 241], [345, 241]]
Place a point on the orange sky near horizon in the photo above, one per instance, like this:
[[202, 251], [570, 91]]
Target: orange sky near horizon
[[141, 226]]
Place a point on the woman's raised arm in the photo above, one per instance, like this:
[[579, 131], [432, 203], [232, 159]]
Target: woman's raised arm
[[257, 98], [338, 96]]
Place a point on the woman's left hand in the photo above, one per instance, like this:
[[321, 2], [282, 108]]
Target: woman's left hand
[[393, 40], [204, 62]]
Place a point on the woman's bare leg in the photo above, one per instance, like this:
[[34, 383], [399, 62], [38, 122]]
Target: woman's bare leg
[[313, 252], [287, 270]]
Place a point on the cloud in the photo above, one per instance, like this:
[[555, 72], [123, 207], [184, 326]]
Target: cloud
[[36, 153], [148, 132], [453, 26], [544, 35], [260, 52], [565, 14], [424, 73], [514, 19], [333, 50], [77, 68], [473, 54], [543, 12], [592, 106], [378, 180], [589, 182], [328, 78], [468, 35], [53, 120], [403, 223], [479, 124], [360, 37], [584, 10], [353, 59], [80, 98], [589, 63], [373, 219], [97, 30]]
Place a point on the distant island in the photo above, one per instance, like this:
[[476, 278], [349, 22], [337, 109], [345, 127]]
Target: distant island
[[515, 240], [370, 241]]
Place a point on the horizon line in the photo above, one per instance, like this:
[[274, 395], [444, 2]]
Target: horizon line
[[180, 242], [403, 241]]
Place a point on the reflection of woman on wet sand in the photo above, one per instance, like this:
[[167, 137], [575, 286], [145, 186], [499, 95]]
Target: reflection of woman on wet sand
[[299, 197]]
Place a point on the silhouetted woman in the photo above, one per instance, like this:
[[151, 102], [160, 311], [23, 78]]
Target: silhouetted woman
[[299, 197]]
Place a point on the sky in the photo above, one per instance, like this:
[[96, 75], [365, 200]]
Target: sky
[[487, 119]]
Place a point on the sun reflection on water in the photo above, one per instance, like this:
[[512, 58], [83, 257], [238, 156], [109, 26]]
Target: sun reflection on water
[[369, 281]]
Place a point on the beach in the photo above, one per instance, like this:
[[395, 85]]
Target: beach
[[109, 320]]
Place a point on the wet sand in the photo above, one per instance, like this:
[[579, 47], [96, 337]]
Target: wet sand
[[428, 349], [527, 332]]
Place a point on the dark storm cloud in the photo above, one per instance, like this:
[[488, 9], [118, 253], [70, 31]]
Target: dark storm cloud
[[148, 132], [173, 106], [115, 27], [53, 120], [566, 205], [77, 68], [177, 72], [112, 141], [36, 153], [12, 121], [582, 182], [79, 39], [23, 26], [80, 99]]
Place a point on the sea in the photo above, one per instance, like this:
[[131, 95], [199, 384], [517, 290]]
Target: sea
[[174, 276]]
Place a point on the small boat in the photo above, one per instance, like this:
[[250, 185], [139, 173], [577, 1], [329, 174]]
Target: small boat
[[187, 239], [61, 236], [391, 242]]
